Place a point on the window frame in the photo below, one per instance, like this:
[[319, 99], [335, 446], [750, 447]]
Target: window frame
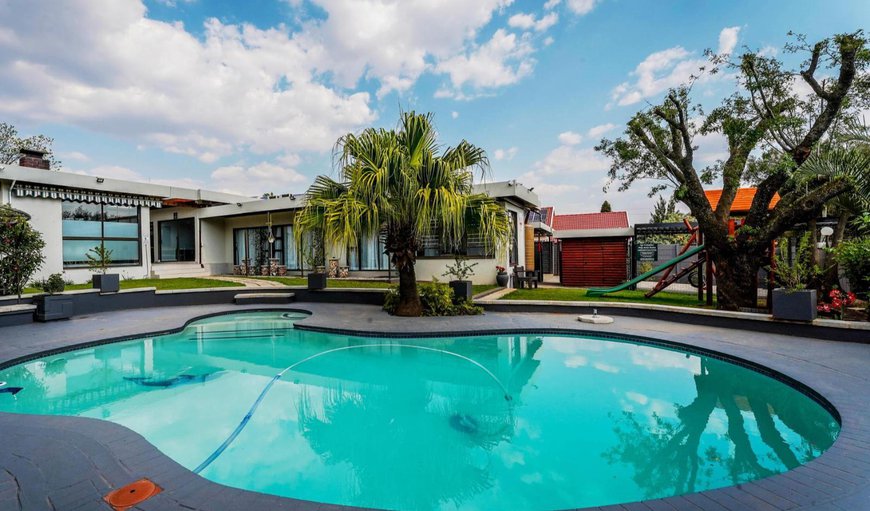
[[103, 238]]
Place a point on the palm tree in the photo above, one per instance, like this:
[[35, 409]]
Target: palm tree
[[399, 184]]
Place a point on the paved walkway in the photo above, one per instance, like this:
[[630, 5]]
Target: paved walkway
[[247, 282], [54, 462]]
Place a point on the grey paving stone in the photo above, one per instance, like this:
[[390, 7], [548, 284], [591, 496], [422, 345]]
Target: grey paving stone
[[74, 461]]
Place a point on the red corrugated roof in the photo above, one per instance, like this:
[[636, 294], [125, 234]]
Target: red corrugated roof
[[742, 201], [612, 220]]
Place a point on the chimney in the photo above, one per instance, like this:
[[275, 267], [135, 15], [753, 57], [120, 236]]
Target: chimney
[[34, 158]]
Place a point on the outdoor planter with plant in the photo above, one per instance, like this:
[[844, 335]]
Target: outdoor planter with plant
[[461, 286], [99, 260], [51, 306], [792, 300], [437, 300], [314, 256], [501, 277]]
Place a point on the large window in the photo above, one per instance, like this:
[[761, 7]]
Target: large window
[[86, 225], [471, 245], [251, 244], [368, 254]]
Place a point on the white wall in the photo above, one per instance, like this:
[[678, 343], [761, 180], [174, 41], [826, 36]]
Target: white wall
[[429, 267]]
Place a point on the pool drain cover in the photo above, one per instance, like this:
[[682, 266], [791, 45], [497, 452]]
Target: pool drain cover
[[132, 494]]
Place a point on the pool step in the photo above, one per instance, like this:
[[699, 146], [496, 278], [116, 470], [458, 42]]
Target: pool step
[[248, 298]]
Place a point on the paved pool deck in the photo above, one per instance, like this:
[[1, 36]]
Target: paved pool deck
[[69, 463]]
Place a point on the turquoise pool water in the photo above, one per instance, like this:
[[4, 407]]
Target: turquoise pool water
[[531, 422]]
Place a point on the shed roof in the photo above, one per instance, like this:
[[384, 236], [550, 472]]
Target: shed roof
[[583, 221], [742, 201]]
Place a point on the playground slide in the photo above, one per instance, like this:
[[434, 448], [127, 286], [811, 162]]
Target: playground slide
[[682, 257]]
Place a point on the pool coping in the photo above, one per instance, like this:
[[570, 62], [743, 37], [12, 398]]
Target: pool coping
[[836, 480]]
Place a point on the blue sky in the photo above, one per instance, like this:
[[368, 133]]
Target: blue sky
[[249, 97]]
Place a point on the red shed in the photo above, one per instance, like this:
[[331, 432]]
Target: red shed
[[594, 248]]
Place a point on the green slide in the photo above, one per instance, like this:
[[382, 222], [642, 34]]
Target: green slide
[[689, 253]]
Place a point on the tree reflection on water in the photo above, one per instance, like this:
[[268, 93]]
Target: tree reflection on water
[[670, 455]]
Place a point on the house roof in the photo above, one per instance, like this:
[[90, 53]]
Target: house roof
[[742, 201], [583, 221]]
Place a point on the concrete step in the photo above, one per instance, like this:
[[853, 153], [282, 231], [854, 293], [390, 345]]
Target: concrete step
[[169, 270], [249, 298]]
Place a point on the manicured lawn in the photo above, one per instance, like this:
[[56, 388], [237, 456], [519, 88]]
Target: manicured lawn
[[357, 284], [161, 284], [579, 295]]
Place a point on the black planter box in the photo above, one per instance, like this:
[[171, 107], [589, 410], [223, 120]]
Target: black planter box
[[316, 281], [107, 283], [461, 290], [502, 279], [795, 305], [51, 307]]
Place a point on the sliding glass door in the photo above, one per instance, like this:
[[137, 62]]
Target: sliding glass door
[[177, 240]]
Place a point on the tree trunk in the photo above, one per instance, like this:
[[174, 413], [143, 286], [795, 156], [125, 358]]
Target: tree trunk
[[737, 279], [409, 298]]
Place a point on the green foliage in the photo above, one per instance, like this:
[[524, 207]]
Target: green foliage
[[11, 144], [854, 257], [402, 185], [20, 251], [801, 271], [437, 300], [53, 284], [605, 207], [460, 269], [99, 259]]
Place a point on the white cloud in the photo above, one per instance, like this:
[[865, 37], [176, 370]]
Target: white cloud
[[454, 114], [550, 4], [503, 60], [505, 154], [526, 21], [257, 179], [394, 42], [581, 7], [601, 129], [728, 40], [768, 51], [75, 156], [570, 138], [669, 68], [236, 87]]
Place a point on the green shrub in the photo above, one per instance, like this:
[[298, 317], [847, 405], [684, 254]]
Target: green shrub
[[437, 300], [853, 256], [436, 297], [53, 284]]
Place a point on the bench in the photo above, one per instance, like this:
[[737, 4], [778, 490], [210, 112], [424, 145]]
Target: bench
[[247, 298], [523, 277], [18, 314]]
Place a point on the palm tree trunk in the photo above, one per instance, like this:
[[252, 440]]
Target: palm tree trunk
[[409, 298]]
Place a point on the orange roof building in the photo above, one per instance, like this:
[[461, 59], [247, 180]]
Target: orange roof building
[[742, 201]]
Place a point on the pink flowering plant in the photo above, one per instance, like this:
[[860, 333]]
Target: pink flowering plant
[[839, 300], [500, 269]]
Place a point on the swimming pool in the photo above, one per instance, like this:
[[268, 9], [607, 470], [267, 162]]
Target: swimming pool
[[487, 422]]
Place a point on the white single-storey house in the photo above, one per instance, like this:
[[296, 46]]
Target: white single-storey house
[[163, 231]]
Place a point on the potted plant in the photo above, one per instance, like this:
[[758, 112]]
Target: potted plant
[[99, 260], [314, 259], [792, 300], [461, 286], [51, 306], [501, 277]]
